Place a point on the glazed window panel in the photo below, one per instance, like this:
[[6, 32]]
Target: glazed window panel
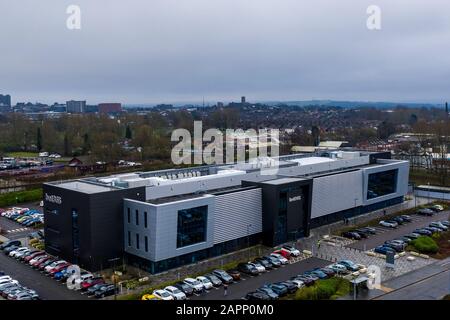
[[191, 226], [382, 183]]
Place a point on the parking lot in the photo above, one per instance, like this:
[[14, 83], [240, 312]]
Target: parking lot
[[239, 289], [46, 287], [384, 233], [14, 230]]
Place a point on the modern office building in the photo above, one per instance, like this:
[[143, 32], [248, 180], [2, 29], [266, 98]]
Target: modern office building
[[109, 107], [76, 106], [164, 219]]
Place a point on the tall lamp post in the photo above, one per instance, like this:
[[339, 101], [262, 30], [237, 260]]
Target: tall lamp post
[[114, 275]]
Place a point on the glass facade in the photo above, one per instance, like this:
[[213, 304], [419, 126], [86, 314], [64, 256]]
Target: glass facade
[[193, 257], [145, 219], [382, 183], [75, 235], [128, 215], [191, 226]]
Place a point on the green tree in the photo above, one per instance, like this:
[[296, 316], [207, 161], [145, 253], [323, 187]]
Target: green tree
[[39, 139], [128, 133]]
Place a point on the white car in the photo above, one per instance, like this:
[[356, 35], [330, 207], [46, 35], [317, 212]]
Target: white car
[[36, 259], [163, 295], [53, 264], [83, 277], [5, 278], [438, 207], [291, 250], [298, 283], [17, 251], [5, 281], [176, 293], [278, 256], [22, 253], [207, 284], [339, 268], [196, 285], [388, 224], [258, 266]]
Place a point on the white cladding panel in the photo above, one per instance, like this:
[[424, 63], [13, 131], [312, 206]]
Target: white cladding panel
[[336, 192], [234, 212]]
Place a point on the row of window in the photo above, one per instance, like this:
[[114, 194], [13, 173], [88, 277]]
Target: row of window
[[137, 217], [137, 245]]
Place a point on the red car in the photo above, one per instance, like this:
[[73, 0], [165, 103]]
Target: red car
[[34, 255], [40, 259], [283, 253], [91, 282], [58, 268]]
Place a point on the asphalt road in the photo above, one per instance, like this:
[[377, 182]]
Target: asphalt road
[[432, 288], [47, 288], [248, 283], [384, 233], [13, 230]]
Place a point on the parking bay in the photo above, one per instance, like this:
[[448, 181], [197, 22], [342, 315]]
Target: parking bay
[[247, 284], [384, 233]]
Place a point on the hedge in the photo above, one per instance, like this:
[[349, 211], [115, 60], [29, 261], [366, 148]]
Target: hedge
[[12, 198], [324, 290], [425, 244]]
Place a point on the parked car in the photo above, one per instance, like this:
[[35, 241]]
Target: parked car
[[85, 285], [282, 259], [255, 295], [223, 276], [362, 232], [163, 295], [405, 239], [437, 208], [305, 279], [269, 292], [299, 283], [383, 250], [278, 288], [396, 245], [283, 253], [388, 224], [445, 223], [235, 274], [91, 291], [185, 288], [176, 293], [258, 266], [291, 250], [406, 218], [196, 285], [328, 271], [433, 229], [54, 264], [399, 220], [214, 280], [264, 262], [425, 212], [36, 253], [423, 232], [10, 243], [338, 268], [350, 265], [412, 236], [291, 287], [369, 230], [248, 269], [207, 284], [439, 225], [319, 274], [276, 263], [351, 235]]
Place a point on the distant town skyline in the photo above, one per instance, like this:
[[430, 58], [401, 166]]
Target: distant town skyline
[[167, 51]]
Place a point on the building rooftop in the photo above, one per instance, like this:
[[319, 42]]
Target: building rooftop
[[85, 187]]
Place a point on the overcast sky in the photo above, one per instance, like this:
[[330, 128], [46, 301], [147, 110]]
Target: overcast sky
[[156, 51]]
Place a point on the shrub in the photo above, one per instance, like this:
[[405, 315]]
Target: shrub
[[12, 198], [324, 290], [425, 244]]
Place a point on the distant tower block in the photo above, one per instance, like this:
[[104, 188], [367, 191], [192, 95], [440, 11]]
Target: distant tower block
[[243, 99]]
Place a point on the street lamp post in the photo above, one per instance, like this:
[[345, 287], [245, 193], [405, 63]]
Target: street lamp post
[[114, 275], [248, 240]]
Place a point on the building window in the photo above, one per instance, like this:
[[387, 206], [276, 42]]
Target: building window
[[137, 241], [137, 217], [146, 243], [129, 238], [129, 215], [382, 183], [145, 219], [75, 231], [191, 227]]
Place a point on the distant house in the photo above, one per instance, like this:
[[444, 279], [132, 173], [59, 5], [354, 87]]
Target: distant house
[[83, 165], [75, 162]]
